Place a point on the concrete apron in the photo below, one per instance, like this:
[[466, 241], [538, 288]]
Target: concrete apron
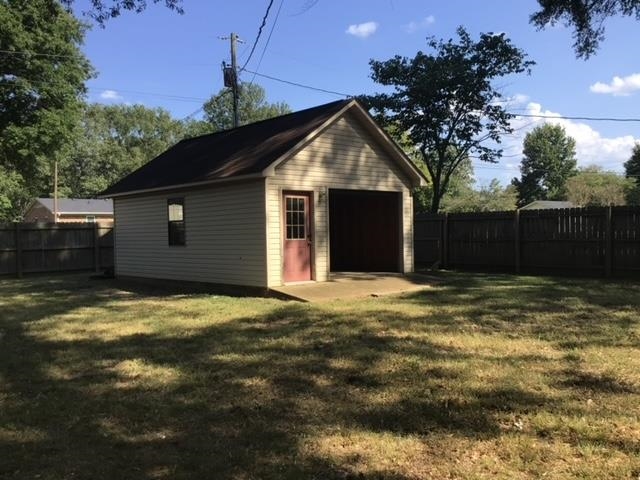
[[353, 285]]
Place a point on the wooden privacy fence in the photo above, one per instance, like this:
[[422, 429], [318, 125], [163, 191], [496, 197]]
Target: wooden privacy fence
[[603, 240], [49, 247]]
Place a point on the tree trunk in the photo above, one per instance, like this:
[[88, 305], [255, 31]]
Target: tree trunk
[[435, 198]]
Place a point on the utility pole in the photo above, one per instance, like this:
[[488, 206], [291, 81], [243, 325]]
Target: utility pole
[[231, 76]]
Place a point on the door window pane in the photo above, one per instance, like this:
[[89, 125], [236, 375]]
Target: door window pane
[[295, 218]]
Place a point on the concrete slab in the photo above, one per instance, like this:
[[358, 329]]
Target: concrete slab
[[352, 285]]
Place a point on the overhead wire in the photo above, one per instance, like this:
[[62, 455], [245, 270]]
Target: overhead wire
[[296, 84], [255, 43], [310, 87], [275, 21]]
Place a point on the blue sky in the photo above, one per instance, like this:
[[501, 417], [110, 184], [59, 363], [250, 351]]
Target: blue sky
[[159, 58]]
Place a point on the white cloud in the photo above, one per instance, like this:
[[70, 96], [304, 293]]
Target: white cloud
[[619, 87], [110, 95], [592, 148], [414, 26], [362, 30]]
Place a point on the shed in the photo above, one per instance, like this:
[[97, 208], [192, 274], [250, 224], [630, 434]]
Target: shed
[[289, 199], [70, 210]]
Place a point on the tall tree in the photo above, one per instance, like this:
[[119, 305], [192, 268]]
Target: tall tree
[[587, 18], [549, 160], [42, 76], [252, 107], [594, 187], [446, 102], [114, 140], [632, 166], [632, 172]]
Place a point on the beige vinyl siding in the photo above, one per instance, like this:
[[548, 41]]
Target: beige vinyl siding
[[344, 156], [225, 236]]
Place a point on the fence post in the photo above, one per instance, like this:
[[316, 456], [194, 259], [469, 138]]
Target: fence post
[[608, 246], [96, 247], [18, 251], [444, 251], [516, 226]]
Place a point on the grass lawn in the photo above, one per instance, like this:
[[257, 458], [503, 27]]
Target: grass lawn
[[480, 376]]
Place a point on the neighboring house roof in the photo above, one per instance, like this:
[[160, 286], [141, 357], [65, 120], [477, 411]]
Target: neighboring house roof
[[79, 206], [547, 205], [251, 150]]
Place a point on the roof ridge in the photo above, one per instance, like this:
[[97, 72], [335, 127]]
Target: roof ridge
[[306, 110]]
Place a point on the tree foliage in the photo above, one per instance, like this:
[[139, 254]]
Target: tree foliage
[[446, 102], [252, 107], [587, 17], [594, 187], [489, 198], [41, 94], [549, 160], [114, 140], [632, 166], [632, 172], [462, 194], [103, 10]]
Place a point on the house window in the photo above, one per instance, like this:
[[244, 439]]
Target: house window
[[175, 208], [90, 219]]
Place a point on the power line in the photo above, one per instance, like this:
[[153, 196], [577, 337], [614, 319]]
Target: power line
[[262, 25], [179, 97], [295, 84], [567, 117], [275, 21]]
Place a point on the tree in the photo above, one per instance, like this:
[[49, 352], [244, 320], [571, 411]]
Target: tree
[[586, 17], [490, 198], [632, 166], [632, 171], [114, 140], [549, 160], [103, 10], [41, 93], [13, 197], [252, 107], [446, 102], [463, 196], [594, 187]]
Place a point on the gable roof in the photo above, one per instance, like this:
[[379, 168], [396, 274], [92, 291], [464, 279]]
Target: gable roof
[[248, 151], [79, 206], [547, 205]]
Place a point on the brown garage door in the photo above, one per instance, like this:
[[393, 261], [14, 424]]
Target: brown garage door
[[364, 231]]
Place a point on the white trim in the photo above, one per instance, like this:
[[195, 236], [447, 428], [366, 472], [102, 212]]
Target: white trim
[[181, 186]]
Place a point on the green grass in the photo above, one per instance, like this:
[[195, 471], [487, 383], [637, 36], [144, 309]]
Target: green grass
[[480, 376]]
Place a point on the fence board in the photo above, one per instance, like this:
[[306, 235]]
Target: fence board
[[47, 247], [577, 240]]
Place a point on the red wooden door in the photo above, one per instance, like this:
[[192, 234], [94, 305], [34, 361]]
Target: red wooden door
[[297, 237]]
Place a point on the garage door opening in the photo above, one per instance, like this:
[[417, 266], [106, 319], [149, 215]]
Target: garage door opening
[[364, 231]]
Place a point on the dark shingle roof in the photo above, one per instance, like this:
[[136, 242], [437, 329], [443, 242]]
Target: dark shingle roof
[[80, 205], [248, 149]]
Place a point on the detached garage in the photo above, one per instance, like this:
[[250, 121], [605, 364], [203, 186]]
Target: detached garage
[[290, 199]]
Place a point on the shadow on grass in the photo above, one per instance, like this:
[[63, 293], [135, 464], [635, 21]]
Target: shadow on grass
[[234, 399], [558, 311], [239, 397]]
